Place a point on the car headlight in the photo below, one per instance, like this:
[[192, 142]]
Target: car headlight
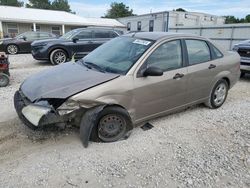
[[34, 113], [235, 48], [68, 107], [1, 42]]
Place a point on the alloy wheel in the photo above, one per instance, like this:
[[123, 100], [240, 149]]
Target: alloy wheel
[[220, 94], [59, 57], [12, 49]]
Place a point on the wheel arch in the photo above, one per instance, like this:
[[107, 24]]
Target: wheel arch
[[227, 80], [58, 48]]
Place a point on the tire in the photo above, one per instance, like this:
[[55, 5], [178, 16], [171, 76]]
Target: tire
[[4, 80], [122, 125], [12, 49], [58, 56], [218, 94]]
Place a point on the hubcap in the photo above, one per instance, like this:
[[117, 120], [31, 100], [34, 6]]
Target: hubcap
[[111, 128], [60, 57], [12, 49], [220, 94], [3, 80]]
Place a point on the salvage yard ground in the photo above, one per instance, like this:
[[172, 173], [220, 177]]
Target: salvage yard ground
[[197, 147]]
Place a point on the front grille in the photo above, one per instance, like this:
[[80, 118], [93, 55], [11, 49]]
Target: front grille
[[244, 52], [243, 63]]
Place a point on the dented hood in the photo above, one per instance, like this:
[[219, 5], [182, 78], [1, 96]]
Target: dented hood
[[63, 81]]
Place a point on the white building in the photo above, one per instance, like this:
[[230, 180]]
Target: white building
[[16, 20], [162, 21]]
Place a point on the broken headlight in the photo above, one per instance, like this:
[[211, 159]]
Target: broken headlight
[[67, 107]]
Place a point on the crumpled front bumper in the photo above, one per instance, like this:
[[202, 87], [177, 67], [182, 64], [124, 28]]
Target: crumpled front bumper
[[35, 116]]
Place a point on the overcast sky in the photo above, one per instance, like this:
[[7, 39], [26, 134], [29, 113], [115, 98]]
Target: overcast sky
[[97, 8]]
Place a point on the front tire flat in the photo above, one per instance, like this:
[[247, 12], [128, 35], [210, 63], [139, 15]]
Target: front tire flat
[[113, 124]]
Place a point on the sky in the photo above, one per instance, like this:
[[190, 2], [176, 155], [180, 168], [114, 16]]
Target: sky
[[98, 8]]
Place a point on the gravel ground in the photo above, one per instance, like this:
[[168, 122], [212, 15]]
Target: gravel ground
[[198, 147]]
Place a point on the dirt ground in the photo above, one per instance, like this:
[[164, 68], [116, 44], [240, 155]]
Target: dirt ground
[[198, 147]]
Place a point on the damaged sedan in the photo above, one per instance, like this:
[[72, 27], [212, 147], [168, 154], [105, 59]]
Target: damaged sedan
[[127, 81]]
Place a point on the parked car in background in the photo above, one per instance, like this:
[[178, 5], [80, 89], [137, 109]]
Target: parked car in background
[[127, 81], [22, 42], [243, 49], [78, 42]]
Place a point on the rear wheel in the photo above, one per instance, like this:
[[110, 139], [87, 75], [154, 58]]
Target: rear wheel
[[58, 56], [218, 94], [4, 80], [12, 49], [112, 125]]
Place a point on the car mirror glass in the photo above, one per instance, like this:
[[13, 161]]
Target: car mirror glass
[[153, 71]]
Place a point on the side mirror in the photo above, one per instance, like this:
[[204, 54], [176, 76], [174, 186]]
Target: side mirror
[[24, 38], [153, 71], [75, 40]]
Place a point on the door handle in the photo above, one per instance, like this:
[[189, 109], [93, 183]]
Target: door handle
[[90, 42], [211, 66], [178, 75]]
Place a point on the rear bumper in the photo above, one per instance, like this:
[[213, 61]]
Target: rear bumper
[[245, 64], [35, 116]]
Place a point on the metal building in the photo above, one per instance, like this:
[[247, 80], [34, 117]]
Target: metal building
[[16, 20], [225, 35], [162, 21]]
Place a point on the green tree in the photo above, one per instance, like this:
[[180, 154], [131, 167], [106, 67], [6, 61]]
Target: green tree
[[180, 10], [231, 19], [14, 3], [247, 18], [41, 4], [118, 10], [61, 5]]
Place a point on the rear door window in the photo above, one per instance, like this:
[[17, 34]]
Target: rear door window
[[198, 51], [101, 34], [44, 35], [217, 53]]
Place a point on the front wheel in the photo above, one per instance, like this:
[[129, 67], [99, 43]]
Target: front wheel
[[4, 80], [218, 94], [58, 56], [12, 49], [113, 124]]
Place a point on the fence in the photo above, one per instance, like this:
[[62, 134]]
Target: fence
[[225, 35]]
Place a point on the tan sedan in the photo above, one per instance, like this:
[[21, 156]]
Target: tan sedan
[[127, 81]]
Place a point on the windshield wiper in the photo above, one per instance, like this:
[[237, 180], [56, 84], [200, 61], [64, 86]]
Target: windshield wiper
[[92, 65]]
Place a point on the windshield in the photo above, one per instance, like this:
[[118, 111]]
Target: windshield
[[118, 55], [69, 35]]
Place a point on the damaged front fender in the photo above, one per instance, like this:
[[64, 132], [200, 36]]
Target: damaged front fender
[[89, 120]]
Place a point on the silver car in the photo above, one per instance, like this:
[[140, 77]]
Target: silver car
[[127, 81]]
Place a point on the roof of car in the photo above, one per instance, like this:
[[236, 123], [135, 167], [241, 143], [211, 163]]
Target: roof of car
[[157, 35]]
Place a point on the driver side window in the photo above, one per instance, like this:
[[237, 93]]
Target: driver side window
[[168, 56]]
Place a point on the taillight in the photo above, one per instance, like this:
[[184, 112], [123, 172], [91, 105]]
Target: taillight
[[4, 66]]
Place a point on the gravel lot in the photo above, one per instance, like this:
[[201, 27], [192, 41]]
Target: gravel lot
[[198, 147]]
